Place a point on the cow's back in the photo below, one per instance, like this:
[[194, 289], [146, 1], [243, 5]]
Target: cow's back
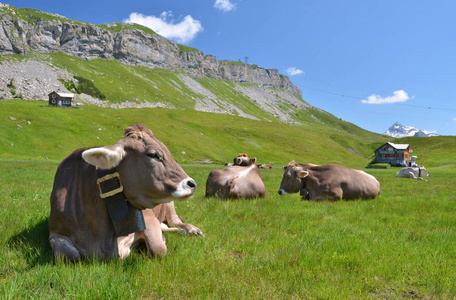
[[248, 186], [362, 185], [235, 182], [354, 183], [408, 172], [77, 212]]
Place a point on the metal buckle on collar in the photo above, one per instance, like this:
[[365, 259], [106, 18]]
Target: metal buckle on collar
[[113, 191]]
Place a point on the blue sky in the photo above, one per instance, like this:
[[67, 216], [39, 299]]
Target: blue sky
[[371, 63]]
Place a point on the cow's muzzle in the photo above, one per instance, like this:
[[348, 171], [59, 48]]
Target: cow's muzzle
[[282, 192], [186, 188]]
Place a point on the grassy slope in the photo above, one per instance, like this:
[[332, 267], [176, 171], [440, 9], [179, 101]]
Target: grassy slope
[[432, 151], [55, 132], [120, 82], [197, 136]]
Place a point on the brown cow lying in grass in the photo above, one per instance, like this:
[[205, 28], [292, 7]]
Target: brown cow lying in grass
[[266, 166], [331, 182], [238, 181], [105, 200], [241, 160], [413, 172]]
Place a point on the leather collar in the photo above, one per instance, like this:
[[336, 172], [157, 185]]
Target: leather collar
[[124, 216]]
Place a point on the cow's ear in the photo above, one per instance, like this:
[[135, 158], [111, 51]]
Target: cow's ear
[[302, 174], [104, 157], [253, 160]]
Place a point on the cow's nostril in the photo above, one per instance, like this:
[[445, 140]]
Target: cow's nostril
[[191, 183]]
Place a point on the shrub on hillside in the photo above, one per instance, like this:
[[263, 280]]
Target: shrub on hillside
[[86, 86]]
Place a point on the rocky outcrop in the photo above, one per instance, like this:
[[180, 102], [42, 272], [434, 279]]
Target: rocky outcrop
[[20, 33], [30, 79]]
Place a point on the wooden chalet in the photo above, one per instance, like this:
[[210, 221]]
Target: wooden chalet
[[61, 99], [393, 153]]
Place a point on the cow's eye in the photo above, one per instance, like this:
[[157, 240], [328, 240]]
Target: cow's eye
[[154, 154]]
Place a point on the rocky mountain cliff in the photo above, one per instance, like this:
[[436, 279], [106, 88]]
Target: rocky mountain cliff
[[26, 30]]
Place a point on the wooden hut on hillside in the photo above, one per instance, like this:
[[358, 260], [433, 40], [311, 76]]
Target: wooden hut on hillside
[[61, 99]]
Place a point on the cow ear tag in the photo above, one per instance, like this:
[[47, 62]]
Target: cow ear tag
[[302, 174], [253, 160]]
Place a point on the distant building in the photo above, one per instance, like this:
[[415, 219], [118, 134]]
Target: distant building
[[61, 99], [394, 154]]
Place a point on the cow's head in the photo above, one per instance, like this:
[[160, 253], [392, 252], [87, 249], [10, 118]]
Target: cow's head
[[149, 174], [423, 172], [243, 160], [292, 178]]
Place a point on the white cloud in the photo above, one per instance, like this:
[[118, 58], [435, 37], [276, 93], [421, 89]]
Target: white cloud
[[224, 5], [454, 119], [291, 71], [182, 32], [399, 96]]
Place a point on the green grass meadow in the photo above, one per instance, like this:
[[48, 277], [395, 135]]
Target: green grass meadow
[[401, 245]]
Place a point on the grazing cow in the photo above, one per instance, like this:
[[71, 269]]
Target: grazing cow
[[266, 166], [332, 182], [239, 181], [413, 172], [98, 195]]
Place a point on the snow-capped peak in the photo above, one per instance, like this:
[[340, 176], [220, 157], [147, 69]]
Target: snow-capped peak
[[397, 130]]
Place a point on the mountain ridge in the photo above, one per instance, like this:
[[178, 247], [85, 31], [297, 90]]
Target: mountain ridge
[[25, 30]]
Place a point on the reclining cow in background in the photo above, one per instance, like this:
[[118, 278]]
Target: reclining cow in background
[[242, 180], [413, 172], [266, 166], [241, 160], [331, 182], [105, 200]]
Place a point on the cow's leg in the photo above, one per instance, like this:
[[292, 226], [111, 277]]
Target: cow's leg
[[325, 198], [336, 193], [173, 220], [126, 243], [150, 235], [312, 195], [153, 236], [323, 195], [165, 228], [410, 175], [304, 194], [64, 249]]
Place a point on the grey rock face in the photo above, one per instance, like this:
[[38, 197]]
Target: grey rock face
[[31, 80], [129, 46]]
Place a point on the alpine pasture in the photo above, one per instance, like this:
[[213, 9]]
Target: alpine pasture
[[400, 245]]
